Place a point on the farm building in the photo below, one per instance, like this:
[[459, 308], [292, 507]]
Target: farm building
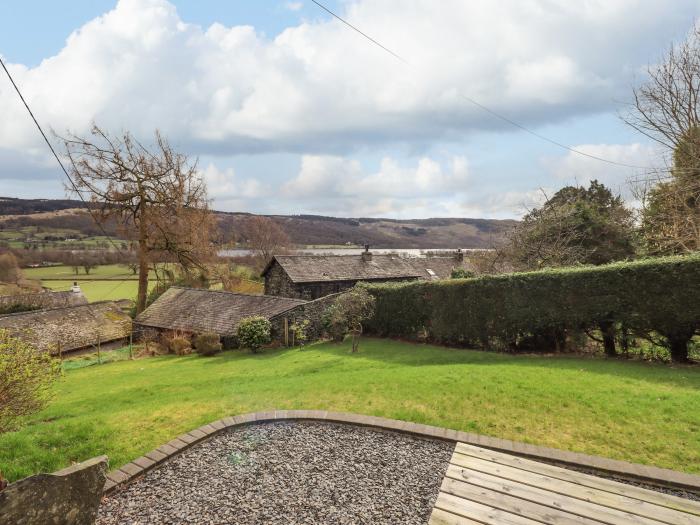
[[41, 300], [194, 310], [69, 328], [313, 276]]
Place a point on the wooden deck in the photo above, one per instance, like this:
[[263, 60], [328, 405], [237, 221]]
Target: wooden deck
[[486, 487]]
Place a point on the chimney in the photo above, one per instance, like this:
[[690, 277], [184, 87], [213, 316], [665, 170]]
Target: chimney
[[459, 255], [76, 288], [366, 255]]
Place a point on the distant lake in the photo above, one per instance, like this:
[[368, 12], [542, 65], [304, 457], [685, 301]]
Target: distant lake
[[411, 252]]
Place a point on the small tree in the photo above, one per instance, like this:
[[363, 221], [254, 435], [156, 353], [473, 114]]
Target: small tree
[[351, 309], [26, 376], [265, 238], [9, 268], [299, 329], [254, 332]]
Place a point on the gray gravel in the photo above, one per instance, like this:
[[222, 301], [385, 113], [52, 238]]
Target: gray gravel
[[291, 473]]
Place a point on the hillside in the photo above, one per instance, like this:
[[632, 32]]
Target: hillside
[[302, 229]]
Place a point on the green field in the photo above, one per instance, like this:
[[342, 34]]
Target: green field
[[105, 282], [627, 410], [104, 271]]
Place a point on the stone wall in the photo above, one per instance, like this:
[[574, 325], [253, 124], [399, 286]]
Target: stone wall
[[312, 311], [68, 497], [278, 283]]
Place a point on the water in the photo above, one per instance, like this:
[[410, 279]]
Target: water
[[408, 252]]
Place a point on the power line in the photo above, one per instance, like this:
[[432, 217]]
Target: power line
[[48, 143], [480, 105]]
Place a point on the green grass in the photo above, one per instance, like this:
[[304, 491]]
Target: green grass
[[84, 360], [104, 271], [633, 411], [101, 290]]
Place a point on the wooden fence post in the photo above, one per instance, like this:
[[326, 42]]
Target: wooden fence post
[[286, 332], [131, 348], [99, 354]]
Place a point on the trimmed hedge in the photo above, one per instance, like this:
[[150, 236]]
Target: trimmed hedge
[[660, 295]]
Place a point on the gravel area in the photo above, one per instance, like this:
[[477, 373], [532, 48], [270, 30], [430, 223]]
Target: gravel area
[[291, 473]]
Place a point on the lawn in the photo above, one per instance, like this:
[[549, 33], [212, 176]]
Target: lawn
[[101, 290], [633, 411], [103, 271]]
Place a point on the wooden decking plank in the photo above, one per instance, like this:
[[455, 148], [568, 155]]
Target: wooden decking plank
[[657, 498], [608, 499], [513, 504], [441, 517], [550, 499], [478, 512]]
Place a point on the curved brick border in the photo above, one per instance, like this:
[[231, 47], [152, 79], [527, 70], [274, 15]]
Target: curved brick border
[[623, 469]]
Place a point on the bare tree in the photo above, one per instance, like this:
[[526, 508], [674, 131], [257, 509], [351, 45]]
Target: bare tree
[[265, 238], [156, 195], [9, 268], [665, 107]]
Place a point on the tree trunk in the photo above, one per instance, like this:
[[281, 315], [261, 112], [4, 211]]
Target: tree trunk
[[678, 345], [143, 264], [607, 329]]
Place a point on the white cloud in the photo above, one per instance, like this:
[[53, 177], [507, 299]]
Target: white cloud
[[224, 185], [319, 87], [578, 169], [293, 6]]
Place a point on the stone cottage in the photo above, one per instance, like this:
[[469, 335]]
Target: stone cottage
[[313, 276], [194, 311]]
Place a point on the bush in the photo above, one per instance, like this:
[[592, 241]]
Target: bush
[[348, 313], [334, 323], [254, 332], [651, 296], [26, 376], [180, 345], [207, 343], [461, 273]]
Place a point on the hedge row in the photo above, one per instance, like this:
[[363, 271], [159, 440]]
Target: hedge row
[[659, 296]]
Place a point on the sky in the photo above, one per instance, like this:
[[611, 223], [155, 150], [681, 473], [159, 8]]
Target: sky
[[289, 111]]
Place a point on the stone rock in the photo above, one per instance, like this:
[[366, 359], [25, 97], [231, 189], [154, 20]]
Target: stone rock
[[69, 496]]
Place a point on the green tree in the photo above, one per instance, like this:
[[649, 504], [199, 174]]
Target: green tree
[[577, 225], [671, 211]]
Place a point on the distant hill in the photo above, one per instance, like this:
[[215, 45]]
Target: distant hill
[[302, 229]]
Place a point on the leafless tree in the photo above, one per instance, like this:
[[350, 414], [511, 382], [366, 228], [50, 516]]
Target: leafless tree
[[265, 238], [665, 107], [155, 194]]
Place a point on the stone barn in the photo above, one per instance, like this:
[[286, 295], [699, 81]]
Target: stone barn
[[313, 276], [58, 330], [193, 311]]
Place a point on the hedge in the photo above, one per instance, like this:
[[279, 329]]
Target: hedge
[[654, 296]]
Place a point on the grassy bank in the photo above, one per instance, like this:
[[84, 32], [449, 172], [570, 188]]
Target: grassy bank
[[633, 411]]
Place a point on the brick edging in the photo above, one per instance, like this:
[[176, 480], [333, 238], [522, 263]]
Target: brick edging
[[633, 471]]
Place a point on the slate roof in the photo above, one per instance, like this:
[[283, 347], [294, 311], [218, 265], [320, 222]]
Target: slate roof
[[44, 299], [322, 268], [74, 327], [197, 310]]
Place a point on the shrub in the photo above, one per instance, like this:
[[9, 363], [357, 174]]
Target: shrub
[[299, 329], [334, 323], [461, 273], [26, 376], [254, 332], [657, 296], [207, 343], [349, 311], [180, 345]]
